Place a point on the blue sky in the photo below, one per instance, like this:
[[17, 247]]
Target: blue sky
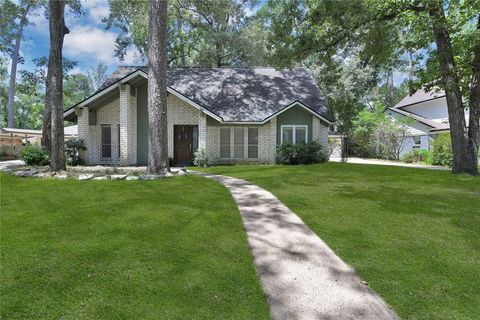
[[88, 42]]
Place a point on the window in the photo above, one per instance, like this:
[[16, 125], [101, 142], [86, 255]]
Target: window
[[294, 134], [238, 142], [224, 142], [417, 142], [252, 143], [106, 137], [118, 141]]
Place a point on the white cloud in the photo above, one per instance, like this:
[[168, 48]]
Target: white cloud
[[97, 9], [89, 41], [38, 22], [132, 57]]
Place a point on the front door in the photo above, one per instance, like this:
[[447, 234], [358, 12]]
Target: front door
[[184, 142]]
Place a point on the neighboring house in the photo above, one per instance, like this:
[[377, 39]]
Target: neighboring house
[[430, 117], [235, 115], [13, 140]]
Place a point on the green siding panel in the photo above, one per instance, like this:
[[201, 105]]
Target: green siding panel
[[295, 116]]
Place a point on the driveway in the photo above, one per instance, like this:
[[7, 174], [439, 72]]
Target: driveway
[[381, 162], [10, 163]]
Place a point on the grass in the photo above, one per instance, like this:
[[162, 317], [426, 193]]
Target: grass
[[169, 249], [412, 234]]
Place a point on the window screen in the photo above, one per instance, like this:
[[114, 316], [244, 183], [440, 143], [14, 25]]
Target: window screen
[[224, 142], [238, 142], [106, 136], [253, 143]]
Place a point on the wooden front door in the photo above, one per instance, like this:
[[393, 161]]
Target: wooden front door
[[183, 142]]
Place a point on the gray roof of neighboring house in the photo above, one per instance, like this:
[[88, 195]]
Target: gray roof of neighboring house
[[419, 96], [433, 124], [241, 94]]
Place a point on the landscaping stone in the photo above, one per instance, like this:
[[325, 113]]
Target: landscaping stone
[[62, 175], [150, 177], [44, 175], [26, 173], [101, 178], [132, 178], [87, 176], [118, 176]]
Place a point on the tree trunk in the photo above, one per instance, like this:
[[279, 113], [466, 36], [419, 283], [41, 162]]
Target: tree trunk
[[157, 88], [474, 106], [13, 70], [448, 69], [181, 41], [58, 30], [47, 120]]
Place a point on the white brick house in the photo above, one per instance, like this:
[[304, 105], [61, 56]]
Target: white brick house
[[235, 115]]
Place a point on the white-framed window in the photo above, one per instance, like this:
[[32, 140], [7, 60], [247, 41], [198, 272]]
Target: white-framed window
[[294, 134], [252, 143], [225, 142], [238, 142]]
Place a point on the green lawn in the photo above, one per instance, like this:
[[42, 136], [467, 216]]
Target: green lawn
[[169, 249], [413, 234]]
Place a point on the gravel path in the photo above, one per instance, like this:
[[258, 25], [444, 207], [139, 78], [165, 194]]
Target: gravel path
[[301, 276]]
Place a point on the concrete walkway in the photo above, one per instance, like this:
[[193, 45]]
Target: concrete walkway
[[301, 276], [381, 162]]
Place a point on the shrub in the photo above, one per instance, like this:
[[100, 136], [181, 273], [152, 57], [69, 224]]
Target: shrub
[[72, 151], [417, 155], [36, 156], [304, 153], [200, 158], [442, 150]]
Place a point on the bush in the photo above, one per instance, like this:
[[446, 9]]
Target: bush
[[305, 153], [200, 158], [72, 151], [442, 150], [417, 155], [34, 156]]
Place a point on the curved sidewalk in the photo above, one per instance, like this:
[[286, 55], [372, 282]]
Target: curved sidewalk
[[301, 276]]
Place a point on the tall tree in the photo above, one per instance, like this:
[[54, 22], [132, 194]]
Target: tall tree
[[17, 16], [54, 92], [200, 33], [450, 38], [157, 88]]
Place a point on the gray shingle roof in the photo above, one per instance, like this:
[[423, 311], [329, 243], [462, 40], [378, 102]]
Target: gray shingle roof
[[419, 96], [241, 94]]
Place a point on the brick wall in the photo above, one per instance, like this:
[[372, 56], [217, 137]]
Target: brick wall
[[266, 143], [320, 131]]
